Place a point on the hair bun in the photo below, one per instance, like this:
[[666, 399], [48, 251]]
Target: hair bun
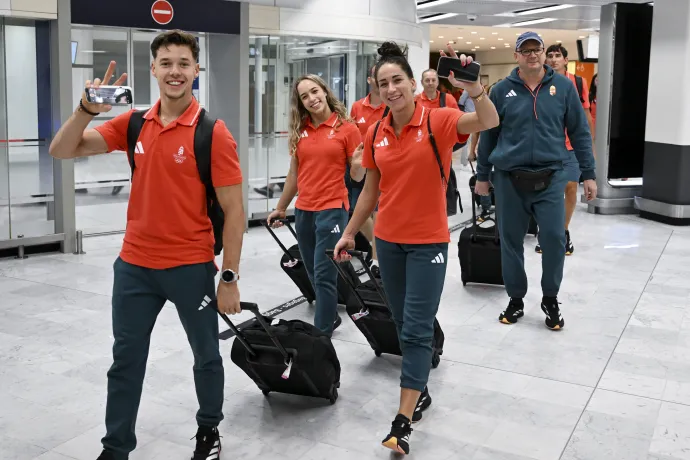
[[391, 49]]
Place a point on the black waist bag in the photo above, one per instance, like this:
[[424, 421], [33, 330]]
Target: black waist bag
[[531, 181]]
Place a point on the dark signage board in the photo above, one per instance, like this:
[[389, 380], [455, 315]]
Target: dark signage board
[[212, 16]]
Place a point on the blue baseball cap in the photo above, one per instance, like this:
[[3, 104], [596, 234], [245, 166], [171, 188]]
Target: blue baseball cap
[[527, 36]]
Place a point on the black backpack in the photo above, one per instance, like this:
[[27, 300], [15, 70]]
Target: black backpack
[[452, 194], [578, 84], [203, 136], [442, 103]]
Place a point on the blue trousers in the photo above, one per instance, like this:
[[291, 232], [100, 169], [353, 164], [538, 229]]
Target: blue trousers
[[513, 209], [317, 232], [138, 297], [413, 277]]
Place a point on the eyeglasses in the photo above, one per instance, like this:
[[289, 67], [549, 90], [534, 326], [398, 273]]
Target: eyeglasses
[[537, 52]]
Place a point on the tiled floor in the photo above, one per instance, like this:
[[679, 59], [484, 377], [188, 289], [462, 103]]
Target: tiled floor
[[614, 385]]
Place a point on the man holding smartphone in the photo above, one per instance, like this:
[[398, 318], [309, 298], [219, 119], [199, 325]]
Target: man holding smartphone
[[168, 248], [527, 151]]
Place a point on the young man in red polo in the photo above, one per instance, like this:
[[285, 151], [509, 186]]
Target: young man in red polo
[[168, 249], [557, 59]]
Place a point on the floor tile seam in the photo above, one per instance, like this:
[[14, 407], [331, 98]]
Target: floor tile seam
[[613, 350], [55, 285], [660, 400]]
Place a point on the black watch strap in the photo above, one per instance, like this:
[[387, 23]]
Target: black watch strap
[[81, 106]]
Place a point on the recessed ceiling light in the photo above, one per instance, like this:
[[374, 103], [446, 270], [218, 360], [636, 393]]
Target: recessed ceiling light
[[493, 47], [477, 47], [473, 33], [431, 41], [517, 35], [440, 36], [432, 4], [482, 38], [459, 38], [500, 39], [494, 33], [559, 41], [535, 11]]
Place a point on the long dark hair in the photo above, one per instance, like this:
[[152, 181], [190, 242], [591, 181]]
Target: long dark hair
[[593, 89]]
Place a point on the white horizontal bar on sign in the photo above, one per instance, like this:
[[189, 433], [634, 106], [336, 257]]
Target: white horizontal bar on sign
[[162, 11]]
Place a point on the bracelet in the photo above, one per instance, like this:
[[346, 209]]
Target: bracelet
[[84, 109], [479, 96]]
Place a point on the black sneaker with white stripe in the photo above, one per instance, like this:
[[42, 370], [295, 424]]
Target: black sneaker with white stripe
[[513, 312], [554, 319], [207, 444], [423, 404], [398, 440]]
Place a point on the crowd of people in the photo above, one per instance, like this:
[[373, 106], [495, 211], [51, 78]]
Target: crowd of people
[[375, 170]]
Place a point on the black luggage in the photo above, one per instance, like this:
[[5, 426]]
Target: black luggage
[[371, 314], [290, 357], [292, 264], [479, 251]]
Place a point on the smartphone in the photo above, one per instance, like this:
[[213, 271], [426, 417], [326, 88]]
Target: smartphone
[[113, 95], [469, 72]]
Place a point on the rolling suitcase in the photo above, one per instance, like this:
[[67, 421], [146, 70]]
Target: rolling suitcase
[[291, 357], [370, 312], [292, 264], [479, 251]]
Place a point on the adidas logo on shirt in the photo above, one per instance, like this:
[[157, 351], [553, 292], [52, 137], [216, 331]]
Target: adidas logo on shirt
[[304, 134], [205, 302], [139, 148], [511, 93], [439, 259], [336, 229], [361, 120], [383, 143]]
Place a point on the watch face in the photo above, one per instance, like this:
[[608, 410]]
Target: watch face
[[228, 276]]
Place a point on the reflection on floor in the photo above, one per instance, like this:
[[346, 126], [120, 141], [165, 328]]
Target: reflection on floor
[[613, 385]]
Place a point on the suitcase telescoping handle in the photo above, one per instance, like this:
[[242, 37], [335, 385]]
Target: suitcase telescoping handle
[[476, 235], [360, 255], [254, 308], [285, 222]]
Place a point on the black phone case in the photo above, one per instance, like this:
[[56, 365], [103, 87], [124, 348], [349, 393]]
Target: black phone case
[[469, 72]]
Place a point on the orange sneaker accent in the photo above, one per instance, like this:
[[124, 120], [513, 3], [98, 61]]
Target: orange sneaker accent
[[392, 444]]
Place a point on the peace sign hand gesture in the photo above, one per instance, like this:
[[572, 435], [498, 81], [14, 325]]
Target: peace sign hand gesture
[[357, 155], [474, 87], [96, 107]]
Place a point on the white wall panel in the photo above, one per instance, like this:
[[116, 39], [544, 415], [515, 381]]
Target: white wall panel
[[34, 8]]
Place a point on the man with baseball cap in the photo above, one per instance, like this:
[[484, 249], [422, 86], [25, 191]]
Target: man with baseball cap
[[527, 151]]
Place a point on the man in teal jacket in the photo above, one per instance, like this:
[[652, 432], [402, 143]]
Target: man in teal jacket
[[527, 151]]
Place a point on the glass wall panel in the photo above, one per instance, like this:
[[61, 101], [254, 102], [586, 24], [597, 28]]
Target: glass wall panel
[[28, 100], [4, 158], [341, 63]]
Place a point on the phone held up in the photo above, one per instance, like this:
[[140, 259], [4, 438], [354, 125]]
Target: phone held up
[[113, 95], [469, 72]]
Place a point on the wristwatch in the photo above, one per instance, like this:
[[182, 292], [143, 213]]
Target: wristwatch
[[228, 276]]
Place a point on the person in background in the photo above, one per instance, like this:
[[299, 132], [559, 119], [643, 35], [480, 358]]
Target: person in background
[[412, 227], [528, 154], [431, 96], [557, 58], [366, 112], [323, 143], [168, 248], [593, 103]]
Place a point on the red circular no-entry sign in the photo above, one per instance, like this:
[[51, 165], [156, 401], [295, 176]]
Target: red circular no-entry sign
[[162, 12]]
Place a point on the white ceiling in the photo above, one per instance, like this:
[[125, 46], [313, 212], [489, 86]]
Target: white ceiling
[[500, 38], [583, 15]]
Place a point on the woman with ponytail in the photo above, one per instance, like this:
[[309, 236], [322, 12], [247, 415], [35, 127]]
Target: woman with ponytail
[[323, 141], [400, 156]]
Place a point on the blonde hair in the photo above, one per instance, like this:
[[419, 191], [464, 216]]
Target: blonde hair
[[299, 114]]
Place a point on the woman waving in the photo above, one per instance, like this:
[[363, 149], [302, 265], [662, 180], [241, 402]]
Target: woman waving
[[407, 156], [323, 141]]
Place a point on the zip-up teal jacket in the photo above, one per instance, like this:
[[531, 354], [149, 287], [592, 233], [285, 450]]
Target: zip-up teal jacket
[[531, 133]]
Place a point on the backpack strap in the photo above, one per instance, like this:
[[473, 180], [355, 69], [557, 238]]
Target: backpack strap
[[578, 84], [433, 145], [373, 141], [385, 112], [441, 100], [203, 137], [136, 122]]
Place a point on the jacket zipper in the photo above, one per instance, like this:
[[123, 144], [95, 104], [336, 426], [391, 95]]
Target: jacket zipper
[[536, 116]]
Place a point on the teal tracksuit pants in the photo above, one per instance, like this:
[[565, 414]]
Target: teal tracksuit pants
[[138, 297], [513, 210]]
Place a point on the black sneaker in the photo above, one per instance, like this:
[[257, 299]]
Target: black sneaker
[[513, 312], [422, 404], [338, 321], [537, 248], [374, 267], [398, 440], [207, 444], [554, 319], [105, 455], [484, 216], [569, 248]]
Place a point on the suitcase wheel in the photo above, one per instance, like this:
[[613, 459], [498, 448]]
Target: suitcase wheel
[[377, 353], [265, 392], [334, 395], [435, 360]]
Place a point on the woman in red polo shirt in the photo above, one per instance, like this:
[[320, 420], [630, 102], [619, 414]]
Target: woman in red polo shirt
[[323, 141], [412, 227]]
